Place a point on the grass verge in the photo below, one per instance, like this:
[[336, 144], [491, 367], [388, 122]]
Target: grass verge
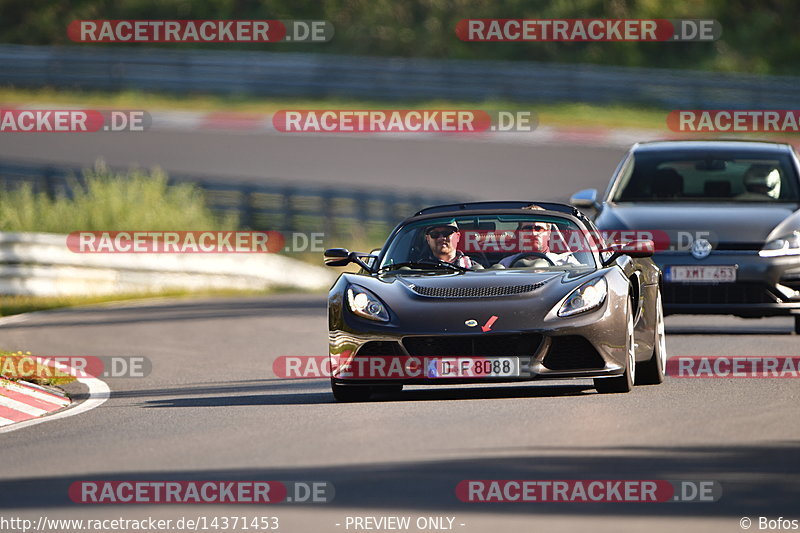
[[19, 366], [14, 305], [559, 114]]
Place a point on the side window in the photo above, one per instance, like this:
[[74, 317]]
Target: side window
[[374, 257], [622, 185]]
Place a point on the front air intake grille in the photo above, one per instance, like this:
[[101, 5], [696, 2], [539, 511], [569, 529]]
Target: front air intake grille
[[572, 352], [723, 293], [475, 292], [520, 344], [791, 280], [380, 348]]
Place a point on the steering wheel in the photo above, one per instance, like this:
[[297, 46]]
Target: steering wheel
[[530, 259]]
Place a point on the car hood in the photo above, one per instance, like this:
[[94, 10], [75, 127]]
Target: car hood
[[442, 302], [480, 279], [725, 223]]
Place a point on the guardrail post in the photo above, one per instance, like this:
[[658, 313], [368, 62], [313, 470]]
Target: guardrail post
[[288, 209], [47, 179], [246, 215]]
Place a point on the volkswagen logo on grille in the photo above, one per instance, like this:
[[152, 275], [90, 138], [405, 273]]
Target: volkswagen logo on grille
[[701, 248]]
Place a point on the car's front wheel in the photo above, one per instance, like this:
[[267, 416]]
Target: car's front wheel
[[651, 372], [351, 393], [623, 383], [797, 324]]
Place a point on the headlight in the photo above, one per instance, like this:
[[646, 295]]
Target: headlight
[[586, 297], [786, 245], [365, 304]]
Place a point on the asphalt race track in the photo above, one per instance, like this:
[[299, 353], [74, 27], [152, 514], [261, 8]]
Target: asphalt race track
[[212, 409], [443, 165]]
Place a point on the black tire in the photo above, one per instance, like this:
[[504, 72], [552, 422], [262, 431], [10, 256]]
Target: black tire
[[623, 383], [351, 393], [651, 372], [797, 324]]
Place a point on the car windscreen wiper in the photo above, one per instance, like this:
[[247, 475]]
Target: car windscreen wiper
[[424, 264]]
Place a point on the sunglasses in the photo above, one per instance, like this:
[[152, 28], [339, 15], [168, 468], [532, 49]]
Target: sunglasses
[[535, 227], [435, 234]]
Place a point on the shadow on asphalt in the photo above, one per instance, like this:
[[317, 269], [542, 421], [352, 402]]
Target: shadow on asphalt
[[323, 395], [729, 330], [756, 480], [727, 325], [232, 387]]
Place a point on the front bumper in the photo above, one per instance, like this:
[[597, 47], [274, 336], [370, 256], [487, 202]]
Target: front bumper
[[541, 355], [764, 286]]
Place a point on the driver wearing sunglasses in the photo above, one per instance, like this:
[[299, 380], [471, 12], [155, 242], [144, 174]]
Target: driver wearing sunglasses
[[443, 240], [538, 237]]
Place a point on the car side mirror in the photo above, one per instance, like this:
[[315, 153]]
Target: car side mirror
[[640, 248], [337, 257], [586, 198], [635, 249]]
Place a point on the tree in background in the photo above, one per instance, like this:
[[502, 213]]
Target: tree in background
[[758, 35]]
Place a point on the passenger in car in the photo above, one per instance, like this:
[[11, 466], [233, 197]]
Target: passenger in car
[[761, 182], [540, 238]]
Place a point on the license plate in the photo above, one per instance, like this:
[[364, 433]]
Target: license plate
[[472, 367], [701, 274]]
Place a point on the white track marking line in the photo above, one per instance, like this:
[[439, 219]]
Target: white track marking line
[[99, 392], [13, 319]]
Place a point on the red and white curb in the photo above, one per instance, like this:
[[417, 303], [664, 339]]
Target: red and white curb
[[25, 405], [20, 402], [248, 123]]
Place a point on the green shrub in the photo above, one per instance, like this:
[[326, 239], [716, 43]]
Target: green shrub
[[137, 200]]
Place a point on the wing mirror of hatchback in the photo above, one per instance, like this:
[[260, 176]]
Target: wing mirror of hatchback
[[586, 198]]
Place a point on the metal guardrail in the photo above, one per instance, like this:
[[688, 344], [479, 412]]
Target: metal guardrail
[[262, 206], [41, 264], [96, 67]]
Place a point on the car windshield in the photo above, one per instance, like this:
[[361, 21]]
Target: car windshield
[[682, 177], [490, 242]]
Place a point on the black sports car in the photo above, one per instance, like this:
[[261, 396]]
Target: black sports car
[[727, 215], [495, 291]]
